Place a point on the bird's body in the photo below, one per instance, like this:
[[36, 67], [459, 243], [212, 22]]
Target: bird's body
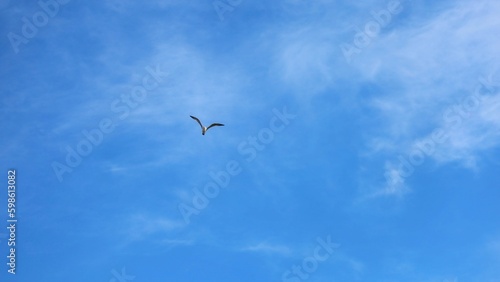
[[203, 128]]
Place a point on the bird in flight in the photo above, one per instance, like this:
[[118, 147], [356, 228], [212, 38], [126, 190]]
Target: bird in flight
[[204, 129]]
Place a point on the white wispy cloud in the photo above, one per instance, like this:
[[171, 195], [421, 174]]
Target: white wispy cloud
[[141, 227], [433, 65], [268, 248]]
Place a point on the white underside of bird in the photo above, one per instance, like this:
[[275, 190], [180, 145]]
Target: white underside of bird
[[203, 128]]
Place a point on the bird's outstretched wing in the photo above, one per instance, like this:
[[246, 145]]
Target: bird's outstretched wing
[[199, 122], [215, 124]]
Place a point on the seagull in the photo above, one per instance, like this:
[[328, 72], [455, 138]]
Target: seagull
[[204, 129]]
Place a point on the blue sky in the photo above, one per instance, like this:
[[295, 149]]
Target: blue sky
[[361, 140]]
